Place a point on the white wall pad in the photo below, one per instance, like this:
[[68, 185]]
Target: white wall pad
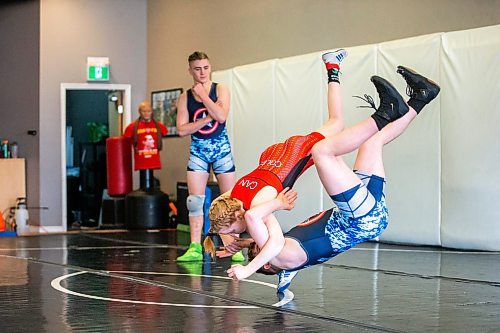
[[412, 161], [253, 113], [471, 148], [300, 105], [442, 174]]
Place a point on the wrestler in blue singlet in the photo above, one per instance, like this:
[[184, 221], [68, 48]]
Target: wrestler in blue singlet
[[210, 145]]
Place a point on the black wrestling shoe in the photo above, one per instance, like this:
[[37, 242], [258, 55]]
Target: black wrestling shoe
[[392, 105], [419, 87]]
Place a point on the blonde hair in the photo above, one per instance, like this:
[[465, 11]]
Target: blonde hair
[[222, 214]]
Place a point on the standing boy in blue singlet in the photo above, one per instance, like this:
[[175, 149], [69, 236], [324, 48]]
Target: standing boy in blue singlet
[[202, 112], [360, 213]]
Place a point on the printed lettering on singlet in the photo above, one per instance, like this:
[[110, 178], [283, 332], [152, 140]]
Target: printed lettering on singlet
[[272, 163], [249, 184], [208, 128]]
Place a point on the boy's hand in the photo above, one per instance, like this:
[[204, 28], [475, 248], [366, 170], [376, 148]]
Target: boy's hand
[[199, 90]]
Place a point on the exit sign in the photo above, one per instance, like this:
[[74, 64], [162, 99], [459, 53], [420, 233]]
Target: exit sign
[[97, 69]]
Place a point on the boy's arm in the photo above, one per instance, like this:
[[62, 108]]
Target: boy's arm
[[184, 127], [217, 110]]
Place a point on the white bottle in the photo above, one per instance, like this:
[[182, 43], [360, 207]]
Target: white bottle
[[22, 217]]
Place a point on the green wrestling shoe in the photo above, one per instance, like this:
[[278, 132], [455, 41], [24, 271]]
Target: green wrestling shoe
[[238, 257], [194, 253]]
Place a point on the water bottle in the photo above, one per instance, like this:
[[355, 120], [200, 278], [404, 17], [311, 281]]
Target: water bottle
[[4, 149], [21, 217], [14, 150]]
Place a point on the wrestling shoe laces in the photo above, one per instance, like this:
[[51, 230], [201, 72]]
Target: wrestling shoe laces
[[368, 99], [285, 279], [392, 105], [418, 87]]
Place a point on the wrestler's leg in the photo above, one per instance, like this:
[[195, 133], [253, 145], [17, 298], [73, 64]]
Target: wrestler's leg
[[335, 121], [333, 172], [224, 170], [392, 107], [226, 181], [369, 158], [197, 182], [421, 91]]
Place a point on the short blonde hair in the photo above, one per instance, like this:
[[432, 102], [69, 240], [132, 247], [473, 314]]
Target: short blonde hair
[[222, 214]]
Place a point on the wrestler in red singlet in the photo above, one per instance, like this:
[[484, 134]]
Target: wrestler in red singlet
[[279, 166]]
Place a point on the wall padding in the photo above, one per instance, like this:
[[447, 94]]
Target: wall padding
[[470, 132], [413, 161], [442, 179]]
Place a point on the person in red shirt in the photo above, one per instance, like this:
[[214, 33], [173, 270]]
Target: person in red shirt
[[145, 134]]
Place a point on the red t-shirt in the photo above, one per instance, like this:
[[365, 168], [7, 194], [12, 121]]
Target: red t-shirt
[[146, 154]]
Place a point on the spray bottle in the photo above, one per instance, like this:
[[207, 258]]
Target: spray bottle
[[21, 217]]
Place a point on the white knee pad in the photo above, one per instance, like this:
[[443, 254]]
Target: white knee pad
[[195, 204]]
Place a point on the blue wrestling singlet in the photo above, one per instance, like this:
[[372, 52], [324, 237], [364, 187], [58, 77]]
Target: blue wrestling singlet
[[334, 231], [197, 110], [210, 145]]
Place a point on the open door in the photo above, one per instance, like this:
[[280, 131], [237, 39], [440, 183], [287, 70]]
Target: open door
[[90, 114]]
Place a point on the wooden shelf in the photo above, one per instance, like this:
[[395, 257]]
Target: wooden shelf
[[12, 181]]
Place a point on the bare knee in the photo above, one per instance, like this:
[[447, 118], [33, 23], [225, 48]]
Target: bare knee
[[320, 151], [332, 127]]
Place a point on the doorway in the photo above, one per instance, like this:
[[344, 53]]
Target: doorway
[[89, 114]]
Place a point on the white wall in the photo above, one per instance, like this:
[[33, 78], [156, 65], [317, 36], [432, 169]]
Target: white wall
[[70, 32], [442, 174]]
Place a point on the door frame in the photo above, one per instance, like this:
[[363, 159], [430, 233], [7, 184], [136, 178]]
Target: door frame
[[127, 116]]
